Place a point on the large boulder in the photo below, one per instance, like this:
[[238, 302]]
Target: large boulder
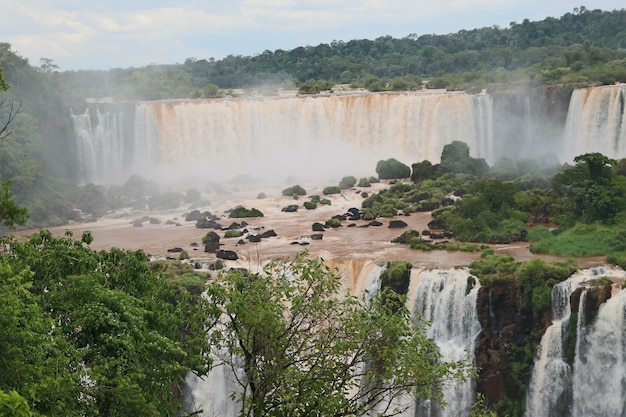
[[397, 224], [268, 233], [211, 242], [208, 224], [229, 255], [318, 227]]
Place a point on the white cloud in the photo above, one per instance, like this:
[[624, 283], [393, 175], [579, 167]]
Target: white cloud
[[86, 33]]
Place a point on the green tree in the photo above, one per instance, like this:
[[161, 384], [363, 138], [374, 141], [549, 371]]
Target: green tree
[[392, 169], [456, 158], [11, 214], [12, 404], [307, 350], [95, 333], [347, 182], [591, 190]]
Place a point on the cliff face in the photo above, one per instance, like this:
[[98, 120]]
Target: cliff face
[[506, 348], [511, 333]]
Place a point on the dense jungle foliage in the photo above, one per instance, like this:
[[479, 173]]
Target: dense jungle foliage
[[565, 210], [88, 333]]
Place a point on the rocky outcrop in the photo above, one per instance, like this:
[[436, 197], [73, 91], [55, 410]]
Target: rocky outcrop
[[596, 296], [318, 227], [397, 224], [211, 242], [208, 224], [228, 255], [506, 347]]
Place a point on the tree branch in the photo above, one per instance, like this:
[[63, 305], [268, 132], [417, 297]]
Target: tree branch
[[12, 112]]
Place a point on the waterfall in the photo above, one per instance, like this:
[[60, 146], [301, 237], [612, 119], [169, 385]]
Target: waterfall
[[281, 136], [344, 134], [446, 298], [210, 396], [100, 146], [600, 368], [553, 384], [596, 122]]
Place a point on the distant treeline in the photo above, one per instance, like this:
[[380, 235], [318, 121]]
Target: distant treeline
[[581, 48]]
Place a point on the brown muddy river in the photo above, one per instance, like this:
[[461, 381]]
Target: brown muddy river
[[338, 245]]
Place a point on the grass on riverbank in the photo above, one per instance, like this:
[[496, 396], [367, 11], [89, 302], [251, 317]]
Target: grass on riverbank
[[580, 240]]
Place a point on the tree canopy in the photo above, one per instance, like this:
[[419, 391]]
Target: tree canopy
[[297, 346], [94, 333]]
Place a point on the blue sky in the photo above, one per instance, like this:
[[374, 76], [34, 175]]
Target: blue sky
[[104, 34]]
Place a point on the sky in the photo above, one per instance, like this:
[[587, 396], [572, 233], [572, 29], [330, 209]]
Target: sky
[[105, 34]]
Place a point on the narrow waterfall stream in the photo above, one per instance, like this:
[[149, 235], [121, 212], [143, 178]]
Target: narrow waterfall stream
[[447, 299], [559, 389], [599, 381]]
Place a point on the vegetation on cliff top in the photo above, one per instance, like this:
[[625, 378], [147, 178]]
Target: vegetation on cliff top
[[577, 210]]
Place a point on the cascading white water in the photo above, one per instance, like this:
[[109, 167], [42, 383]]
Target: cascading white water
[[596, 122], [221, 138], [210, 396], [100, 147], [447, 299], [599, 382], [345, 134], [550, 383], [550, 390]]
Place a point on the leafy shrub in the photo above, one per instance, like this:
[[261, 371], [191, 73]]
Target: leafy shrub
[[332, 189], [194, 283], [363, 182], [232, 233], [239, 212], [261, 196], [294, 191], [309, 205], [392, 169], [397, 276], [347, 182], [617, 258], [538, 233], [333, 222], [211, 237], [492, 267], [581, 240], [217, 265], [534, 280]]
